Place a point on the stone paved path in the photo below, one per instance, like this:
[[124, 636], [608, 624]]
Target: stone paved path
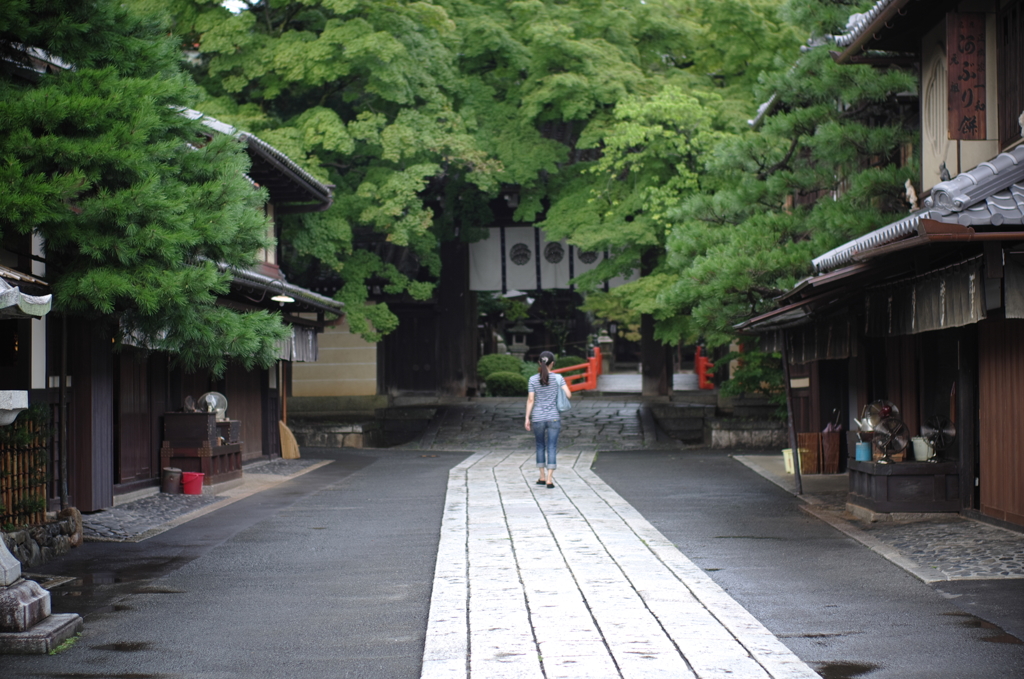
[[571, 581], [957, 548]]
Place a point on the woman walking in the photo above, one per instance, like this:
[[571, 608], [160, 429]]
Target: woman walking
[[542, 417]]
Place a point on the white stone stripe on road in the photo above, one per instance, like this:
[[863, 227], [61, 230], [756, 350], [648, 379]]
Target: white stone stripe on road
[[574, 582], [770, 653]]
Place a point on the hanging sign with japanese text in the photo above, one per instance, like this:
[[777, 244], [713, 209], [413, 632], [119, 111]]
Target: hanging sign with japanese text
[[965, 55]]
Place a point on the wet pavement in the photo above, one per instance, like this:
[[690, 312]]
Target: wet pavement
[[443, 558], [933, 547], [151, 515]]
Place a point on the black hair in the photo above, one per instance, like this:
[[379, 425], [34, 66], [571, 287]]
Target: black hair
[[546, 360]]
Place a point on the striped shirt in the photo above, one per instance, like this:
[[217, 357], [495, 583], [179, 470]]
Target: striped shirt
[[544, 408]]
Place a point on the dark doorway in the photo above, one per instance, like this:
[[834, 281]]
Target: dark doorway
[[410, 355]]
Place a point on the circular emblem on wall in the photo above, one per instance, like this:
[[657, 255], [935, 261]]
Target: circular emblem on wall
[[519, 254], [554, 252], [588, 257]]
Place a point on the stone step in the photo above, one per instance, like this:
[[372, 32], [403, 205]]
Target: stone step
[[323, 434], [681, 411], [733, 432], [707, 397], [386, 427]]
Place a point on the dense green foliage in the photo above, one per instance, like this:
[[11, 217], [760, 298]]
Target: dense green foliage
[[758, 373], [594, 115], [492, 363], [620, 128], [503, 383], [566, 361], [825, 166], [528, 369], [133, 201]]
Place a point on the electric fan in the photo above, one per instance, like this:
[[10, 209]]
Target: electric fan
[[213, 402], [940, 432], [877, 411], [892, 436]]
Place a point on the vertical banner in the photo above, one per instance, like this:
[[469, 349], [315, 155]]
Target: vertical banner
[[965, 57], [486, 263], [520, 258]]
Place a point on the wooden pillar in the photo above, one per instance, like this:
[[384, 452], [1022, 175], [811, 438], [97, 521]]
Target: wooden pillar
[[91, 440]]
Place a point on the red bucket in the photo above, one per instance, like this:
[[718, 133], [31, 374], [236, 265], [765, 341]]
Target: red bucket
[[192, 483]]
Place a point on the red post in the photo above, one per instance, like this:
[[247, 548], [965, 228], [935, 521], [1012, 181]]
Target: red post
[[701, 365], [595, 369]]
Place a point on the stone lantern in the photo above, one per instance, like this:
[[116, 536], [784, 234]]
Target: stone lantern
[[517, 333]]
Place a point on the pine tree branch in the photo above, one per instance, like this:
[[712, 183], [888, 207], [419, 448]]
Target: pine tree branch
[[782, 164]]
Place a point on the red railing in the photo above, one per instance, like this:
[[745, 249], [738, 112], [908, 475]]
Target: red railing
[[587, 379], [701, 364]]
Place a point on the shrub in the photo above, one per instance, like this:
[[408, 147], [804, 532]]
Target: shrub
[[566, 361], [528, 369], [504, 383], [492, 363]]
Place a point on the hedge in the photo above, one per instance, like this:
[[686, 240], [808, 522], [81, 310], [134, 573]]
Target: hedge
[[492, 363], [504, 383], [566, 361]]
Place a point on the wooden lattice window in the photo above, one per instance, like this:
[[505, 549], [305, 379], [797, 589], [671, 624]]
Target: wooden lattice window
[[1010, 31]]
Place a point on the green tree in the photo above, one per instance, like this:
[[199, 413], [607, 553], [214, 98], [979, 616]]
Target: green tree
[[823, 167], [593, 113], [650, 152], [134, 201], [362, 93]]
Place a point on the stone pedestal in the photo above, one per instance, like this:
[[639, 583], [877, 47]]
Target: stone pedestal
[[607, 346], [23, 605], [26, 625]]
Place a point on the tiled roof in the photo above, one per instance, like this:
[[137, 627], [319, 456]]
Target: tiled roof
[[16, 304], [859, 23], [256, 281], [890, 233], [967, 188], [992, 194], [315, 188]]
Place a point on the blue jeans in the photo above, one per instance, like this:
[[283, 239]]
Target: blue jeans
[[551, 428]]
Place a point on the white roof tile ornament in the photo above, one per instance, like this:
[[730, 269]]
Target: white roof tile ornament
[[16, 304], [979, 183], [858, 23]]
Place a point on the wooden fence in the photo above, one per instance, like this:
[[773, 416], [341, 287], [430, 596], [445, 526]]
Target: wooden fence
[[24, 452]]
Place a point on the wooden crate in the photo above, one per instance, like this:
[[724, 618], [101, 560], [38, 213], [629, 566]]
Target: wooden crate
[[830, 447], [190, 430], [809, 446]]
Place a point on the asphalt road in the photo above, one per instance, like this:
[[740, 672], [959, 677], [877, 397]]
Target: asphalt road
[[327, 575], [839, 606], [330, 575]]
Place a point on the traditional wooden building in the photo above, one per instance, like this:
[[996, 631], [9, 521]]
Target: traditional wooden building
[[926, 312], [117, 393]]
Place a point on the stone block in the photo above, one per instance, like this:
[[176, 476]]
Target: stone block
[[742, 433], [22, 605], [44, 637], [10, 567], [73, 524]]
